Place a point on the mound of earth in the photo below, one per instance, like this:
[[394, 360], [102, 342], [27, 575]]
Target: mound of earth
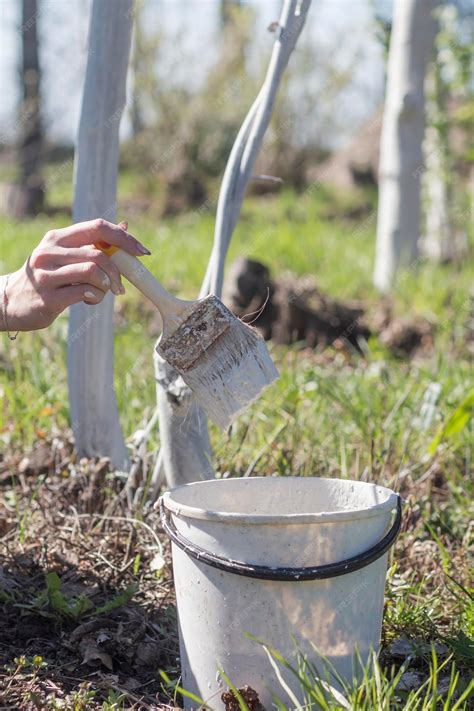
[[290, 309]]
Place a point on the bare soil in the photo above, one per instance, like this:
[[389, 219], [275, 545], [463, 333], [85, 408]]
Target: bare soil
[[76, 526], [291, 309]]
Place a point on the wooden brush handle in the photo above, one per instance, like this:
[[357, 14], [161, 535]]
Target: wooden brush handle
[[169, 306]]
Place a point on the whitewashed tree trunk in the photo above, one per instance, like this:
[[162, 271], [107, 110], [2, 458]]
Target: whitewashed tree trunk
[[93, 404], [401, 157], [185, 454], [438, 238]]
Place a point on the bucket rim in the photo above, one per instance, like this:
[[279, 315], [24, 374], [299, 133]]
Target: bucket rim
[[186, 511]]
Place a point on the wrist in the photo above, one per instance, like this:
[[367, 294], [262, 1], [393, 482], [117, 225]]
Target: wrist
[[3, 284], [8, 322]]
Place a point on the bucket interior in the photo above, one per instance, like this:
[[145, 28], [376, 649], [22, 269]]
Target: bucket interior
[[282, 497]]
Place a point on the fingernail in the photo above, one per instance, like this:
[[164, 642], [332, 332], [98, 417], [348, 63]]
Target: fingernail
[[121, 289], [142, 249], [124, 224], [90, 295], [106, 281], [118, 290]]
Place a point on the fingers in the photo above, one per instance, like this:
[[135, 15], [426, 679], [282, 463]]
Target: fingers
[[81, 273], [69, 295], [80, 258], [94, 231]]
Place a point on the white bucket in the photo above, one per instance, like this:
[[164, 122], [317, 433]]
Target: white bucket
[[281, 558]]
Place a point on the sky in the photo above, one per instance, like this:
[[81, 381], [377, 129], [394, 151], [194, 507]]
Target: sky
[[191, 27]]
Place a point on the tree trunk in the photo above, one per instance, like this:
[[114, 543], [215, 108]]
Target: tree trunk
[[401, 158], [93, 403], [138, 67], [185, 454], [226, 11], [27, 198], [438, 238]]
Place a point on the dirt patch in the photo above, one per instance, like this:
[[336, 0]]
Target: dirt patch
[[86, 612], [404, 337], [291, 309], [87, 615], [249, 696], [44, 652]]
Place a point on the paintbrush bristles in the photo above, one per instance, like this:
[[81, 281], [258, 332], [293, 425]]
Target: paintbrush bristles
[[231, 374], [225, 362]]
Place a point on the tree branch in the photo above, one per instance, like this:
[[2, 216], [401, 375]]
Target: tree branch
[[185, 453]]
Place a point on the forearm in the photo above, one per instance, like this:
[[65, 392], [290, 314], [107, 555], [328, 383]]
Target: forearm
[[9, 322], [22, 305]]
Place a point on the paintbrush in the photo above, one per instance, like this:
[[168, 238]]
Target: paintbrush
[[224, 361]]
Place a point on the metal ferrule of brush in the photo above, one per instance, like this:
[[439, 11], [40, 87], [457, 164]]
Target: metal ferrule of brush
[[209, 320]]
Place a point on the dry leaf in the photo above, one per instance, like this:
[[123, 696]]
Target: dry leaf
[[91, 652], [148, 654]]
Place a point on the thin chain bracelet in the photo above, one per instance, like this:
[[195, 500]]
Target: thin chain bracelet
[[5, 304]]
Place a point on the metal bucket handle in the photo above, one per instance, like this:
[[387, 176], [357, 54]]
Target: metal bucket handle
[[263, 572]]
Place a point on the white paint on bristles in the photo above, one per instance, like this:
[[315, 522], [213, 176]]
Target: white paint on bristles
[[231, 374]]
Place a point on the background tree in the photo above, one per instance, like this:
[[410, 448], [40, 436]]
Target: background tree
[[146, 83], [401, 157], [227, 10], [437, 183], [450, 102], [28, 197]]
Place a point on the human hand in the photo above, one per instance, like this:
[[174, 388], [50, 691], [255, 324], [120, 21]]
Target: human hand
[[66, 268]]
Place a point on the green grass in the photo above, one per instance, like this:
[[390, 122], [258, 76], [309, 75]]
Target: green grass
[[328, 416], [286, 233]]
